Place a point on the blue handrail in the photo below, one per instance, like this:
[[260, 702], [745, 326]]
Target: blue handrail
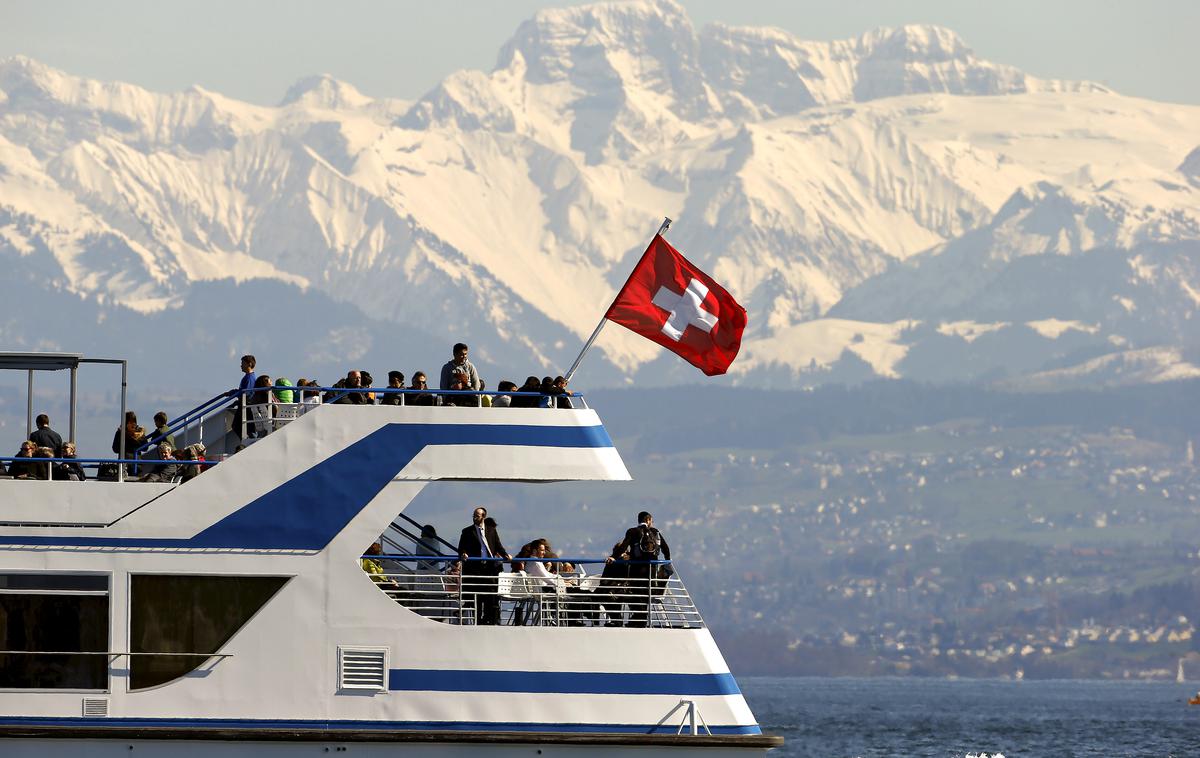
[[208, 406], [95, 461], [229, 397], [402, 391], [455, 558]]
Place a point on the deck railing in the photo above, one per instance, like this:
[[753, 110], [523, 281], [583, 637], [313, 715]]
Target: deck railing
[[636, 594], [260, 419]]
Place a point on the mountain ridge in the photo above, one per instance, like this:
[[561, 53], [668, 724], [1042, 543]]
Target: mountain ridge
[[815, 179]]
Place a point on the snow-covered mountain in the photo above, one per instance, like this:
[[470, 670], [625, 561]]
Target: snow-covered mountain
[[887, 205]]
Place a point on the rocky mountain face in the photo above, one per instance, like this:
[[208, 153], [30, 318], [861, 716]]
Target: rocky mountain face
[[887, 205]]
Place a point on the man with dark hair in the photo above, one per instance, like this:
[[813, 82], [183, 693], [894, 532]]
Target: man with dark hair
[[44, 436], [643, 543], [395, 382], [161, 432], [563, 395], [247, 384], [481, 540], [419, 383], [459, 361], [366, 380], [502, 400], [528, 400]]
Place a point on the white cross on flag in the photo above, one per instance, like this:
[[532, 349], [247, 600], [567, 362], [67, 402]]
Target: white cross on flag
[[670, 301]]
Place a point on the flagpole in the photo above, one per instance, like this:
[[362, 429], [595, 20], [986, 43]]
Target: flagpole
[[666, 224]]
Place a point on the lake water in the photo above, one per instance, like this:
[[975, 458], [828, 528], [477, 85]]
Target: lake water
[[842, 718]]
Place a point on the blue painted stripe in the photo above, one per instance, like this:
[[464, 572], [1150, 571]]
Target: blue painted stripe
[[309, 510], [423, 726], [566, 682]]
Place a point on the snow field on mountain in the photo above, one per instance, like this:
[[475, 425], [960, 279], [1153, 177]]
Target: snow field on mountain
[[840, 190]]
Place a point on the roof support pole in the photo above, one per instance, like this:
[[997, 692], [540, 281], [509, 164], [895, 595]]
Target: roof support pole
[[74, 391], [121, 425], [29, 407]]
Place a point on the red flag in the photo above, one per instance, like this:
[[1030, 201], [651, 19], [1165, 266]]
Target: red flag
[[670, 301]]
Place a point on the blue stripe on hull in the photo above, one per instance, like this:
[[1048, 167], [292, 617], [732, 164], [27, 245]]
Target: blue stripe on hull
[[309, 510], [565, 682], [333, 726]]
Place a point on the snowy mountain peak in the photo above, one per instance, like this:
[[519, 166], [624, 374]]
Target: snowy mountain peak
[[324, 91], [917, 43], [841, 181], [915, 59], [25, 79], [556, 43]]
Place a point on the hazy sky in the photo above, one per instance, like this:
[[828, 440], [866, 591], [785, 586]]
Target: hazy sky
[[254, 49]]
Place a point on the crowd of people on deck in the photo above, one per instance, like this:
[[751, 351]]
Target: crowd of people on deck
[[633, 574], [264, 401], [262, 405], [46, 456]]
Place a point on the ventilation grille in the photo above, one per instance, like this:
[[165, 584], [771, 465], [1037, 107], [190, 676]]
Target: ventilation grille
[[363, 668], [95, 707]]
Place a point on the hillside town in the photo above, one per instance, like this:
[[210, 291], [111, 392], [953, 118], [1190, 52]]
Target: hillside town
[[1075, 556]]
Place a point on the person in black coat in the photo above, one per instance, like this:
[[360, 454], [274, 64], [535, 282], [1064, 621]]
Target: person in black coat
[[71, 466], [419, 383], [395, 382], [613, 585], [482, 540], [643, 543], [528, 401], [44, 436], [134, 437]]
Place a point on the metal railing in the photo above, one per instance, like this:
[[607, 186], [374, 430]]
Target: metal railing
[[143, 466], [193, 419], [260, 419], [638, 594]]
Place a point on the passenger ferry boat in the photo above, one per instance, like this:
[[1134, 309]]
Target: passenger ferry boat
[[231, 615]]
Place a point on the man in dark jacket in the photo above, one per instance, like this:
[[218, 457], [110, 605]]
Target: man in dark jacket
[[354, 382], [44, 436], [479, 540], [644, 544], [395, 382]]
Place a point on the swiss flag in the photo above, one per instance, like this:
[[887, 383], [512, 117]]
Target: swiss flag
[[670, 301]]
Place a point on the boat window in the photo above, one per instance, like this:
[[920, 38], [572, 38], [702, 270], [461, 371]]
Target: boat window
[[190, 617], [54, 631]]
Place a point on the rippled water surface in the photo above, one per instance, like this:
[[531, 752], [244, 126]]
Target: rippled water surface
[[836, 718]]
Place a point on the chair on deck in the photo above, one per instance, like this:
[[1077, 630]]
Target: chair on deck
[[285, 413], [515, 588]]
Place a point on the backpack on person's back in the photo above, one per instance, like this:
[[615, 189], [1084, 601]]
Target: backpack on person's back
[[647, 546]]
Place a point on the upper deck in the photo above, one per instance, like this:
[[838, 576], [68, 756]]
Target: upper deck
[[314, 470]]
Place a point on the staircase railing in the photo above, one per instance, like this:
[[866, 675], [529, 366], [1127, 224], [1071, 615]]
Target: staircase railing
[[451, 548], [196, 415]]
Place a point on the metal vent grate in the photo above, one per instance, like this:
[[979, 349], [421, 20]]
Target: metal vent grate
[[363, 668], [96, 707]]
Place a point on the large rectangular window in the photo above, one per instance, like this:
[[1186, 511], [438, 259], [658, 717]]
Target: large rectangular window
[[54, 631]]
